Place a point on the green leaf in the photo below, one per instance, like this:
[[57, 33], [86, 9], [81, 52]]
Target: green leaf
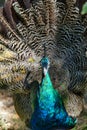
[[84, 9]]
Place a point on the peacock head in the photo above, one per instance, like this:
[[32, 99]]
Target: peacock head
[[45, 65]]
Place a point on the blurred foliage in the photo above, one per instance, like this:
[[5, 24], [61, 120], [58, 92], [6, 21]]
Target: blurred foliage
[[2, 2], [84, 9]]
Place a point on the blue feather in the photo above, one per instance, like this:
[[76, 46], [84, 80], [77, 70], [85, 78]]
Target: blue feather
[[50, 113]]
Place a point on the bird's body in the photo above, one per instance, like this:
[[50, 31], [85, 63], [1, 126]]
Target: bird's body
[[49, 110]]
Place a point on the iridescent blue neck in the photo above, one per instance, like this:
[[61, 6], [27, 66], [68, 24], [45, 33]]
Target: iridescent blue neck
[[46, 79]]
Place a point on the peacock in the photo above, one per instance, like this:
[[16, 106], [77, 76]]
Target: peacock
[[49, 111], [25, 25]]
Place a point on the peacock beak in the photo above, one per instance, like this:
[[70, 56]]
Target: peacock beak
[[45, 70]]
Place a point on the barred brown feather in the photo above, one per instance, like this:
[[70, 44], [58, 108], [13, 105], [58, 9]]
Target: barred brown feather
[[24, 29]]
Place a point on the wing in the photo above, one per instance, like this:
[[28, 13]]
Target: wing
[[71, 44], [24, 31], [17, 58], [72, 49]]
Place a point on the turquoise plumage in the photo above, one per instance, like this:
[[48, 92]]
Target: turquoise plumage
[[49, 112]]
